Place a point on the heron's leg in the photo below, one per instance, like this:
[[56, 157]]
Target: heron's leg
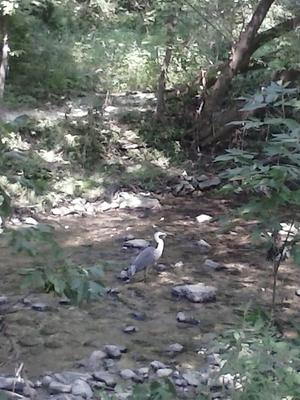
[[145, 274]]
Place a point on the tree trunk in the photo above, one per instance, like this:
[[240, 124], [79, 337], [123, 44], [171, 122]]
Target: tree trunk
[[241, 53], [161, 85], [4, 51]]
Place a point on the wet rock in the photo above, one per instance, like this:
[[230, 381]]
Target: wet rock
[[95, 359], [58, 387], [105, 377], [213, 265], [164, 372], [138, 315], [209, 183], [203, 218], [113, 351], [204, 247], [130, 329], [182, 317], [192, 378], [175, 348], [40, 307], [157, 365], [11, 383], [197, 293], [82, 388], [137, 243], [127, 374], [3, 300]]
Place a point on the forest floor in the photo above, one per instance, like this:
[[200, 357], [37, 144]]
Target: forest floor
[[58, 338]]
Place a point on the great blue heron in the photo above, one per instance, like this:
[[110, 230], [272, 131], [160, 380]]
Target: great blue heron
[[148, 257]]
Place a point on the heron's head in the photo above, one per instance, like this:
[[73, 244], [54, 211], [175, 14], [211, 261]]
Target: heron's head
[[159, 235]]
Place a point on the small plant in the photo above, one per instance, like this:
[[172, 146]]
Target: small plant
[[75, 282], [269, 176], [261, 363]]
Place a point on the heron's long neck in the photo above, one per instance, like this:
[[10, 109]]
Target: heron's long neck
[[160, 246]]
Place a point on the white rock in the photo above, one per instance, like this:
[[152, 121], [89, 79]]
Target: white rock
[[143, 371], [164, 372], [197, 293], [203, 218]]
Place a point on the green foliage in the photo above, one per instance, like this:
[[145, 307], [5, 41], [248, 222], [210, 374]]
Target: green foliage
[[264, 365], [75, 282]]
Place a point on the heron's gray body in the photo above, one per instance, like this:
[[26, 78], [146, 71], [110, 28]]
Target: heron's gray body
[[148, 257]]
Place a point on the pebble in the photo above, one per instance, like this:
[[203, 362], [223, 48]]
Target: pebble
[[297, 292], [164, 372], [82, 388], [105, 377], [182, 317], [204, 247], [191, 378], [157, 365], [203, 218], [58, 387], [179, 264], [213, 265], [127, 374], [130, 329], [40, 307], [95, 359]]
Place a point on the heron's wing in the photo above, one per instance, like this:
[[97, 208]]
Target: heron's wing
[[144, 259]]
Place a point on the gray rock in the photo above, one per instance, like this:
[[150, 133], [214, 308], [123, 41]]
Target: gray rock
[[11, 383], [202, 178], [62, 211], [109, 364], [164, 372], [130, 329], [58, 387], [175, 348], [127, 374], [143, 371], [105, 377], [3, 300], [138, 315], [46, 380], [297, 292], [123, 275], [82, 388], [130, 200], [68, 377], [192, 378], [114, 351], [157, 365], [214, 359], [137, 243], [197, 293], [179, 264], [30, 221], [64, 301], [180, 382], [182, 317], [95, 359], [213, 265], [203, 218], [30, 392], [204, 247], [209, 183], [40, 307]]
